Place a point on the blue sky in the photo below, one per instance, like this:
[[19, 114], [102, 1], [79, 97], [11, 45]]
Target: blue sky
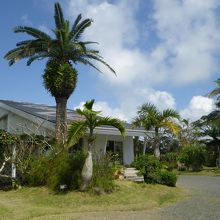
[[164, 51]]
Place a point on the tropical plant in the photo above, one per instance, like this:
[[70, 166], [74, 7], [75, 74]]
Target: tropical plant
[[151, 118], [210, 134], [193, 156], [90, 120], [63, 52], [216, 93]]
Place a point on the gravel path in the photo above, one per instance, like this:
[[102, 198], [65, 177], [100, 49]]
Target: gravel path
[[202, 204]]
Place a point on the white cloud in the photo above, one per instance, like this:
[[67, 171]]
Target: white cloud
[[128, 106], [188, 39], [198, 107]]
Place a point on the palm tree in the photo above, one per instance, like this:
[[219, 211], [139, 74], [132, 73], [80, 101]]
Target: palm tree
[[216, 92], [63, 51], [91, 120], [150, 117]]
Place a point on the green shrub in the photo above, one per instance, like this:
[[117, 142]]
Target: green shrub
[[149, 167], [66, 171], [103, 173], [193, 156], [168, 178], [38, 172]]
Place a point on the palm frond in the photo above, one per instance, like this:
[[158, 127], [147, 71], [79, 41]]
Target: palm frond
[[170, 113], [89, 104], [36, 57], [172, 126], [75, 131], [86, 62], [113, 122], [33, 32], [76, 33], [18, 53], [58, 16], [101, 61], [79, 17]]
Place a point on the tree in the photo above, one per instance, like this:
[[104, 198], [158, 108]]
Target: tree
[[63, 52], [150, 117], [90, 120], [216, 92]]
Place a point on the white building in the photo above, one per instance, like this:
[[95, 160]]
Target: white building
[[20, 117]]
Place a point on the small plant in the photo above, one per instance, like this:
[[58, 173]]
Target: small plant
[[168, 178]]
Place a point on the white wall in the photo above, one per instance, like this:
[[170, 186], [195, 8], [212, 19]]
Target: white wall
[[19, 125], [101, 141]]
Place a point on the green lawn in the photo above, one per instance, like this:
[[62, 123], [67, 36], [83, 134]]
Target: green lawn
[[27, 203]]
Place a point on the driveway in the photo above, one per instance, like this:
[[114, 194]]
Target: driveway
[[204, 203]]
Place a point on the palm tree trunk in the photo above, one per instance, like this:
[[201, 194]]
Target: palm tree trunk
[[61, 123], [144, 145], [87, 170], [157, 144]]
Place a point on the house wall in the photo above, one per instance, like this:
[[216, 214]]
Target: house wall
[[101, 141], [19, 125], [3, 119]]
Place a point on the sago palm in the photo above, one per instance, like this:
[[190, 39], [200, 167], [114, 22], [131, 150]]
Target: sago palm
[[90, 120], [63, 51], [149, 117]]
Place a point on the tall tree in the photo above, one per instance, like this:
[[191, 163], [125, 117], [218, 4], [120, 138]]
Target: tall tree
[[151, 118], [90, 120], [63, 51]]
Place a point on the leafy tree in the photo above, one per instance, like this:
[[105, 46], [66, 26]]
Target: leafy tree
[[63, 52], [150, 118], [90, 120]]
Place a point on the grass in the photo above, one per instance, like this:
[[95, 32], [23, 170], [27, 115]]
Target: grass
[[206, 171], [27, 203]]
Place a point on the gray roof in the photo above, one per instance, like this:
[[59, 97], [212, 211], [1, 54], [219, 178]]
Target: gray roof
[[40, 110], [48, 112]]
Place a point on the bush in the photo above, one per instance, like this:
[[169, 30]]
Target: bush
[[168, 178], [149, 167], [103, 174], [66, 171], [169, 160], [38, 172], [193, 156]]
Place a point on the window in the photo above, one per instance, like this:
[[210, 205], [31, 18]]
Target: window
[[115, 147]]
